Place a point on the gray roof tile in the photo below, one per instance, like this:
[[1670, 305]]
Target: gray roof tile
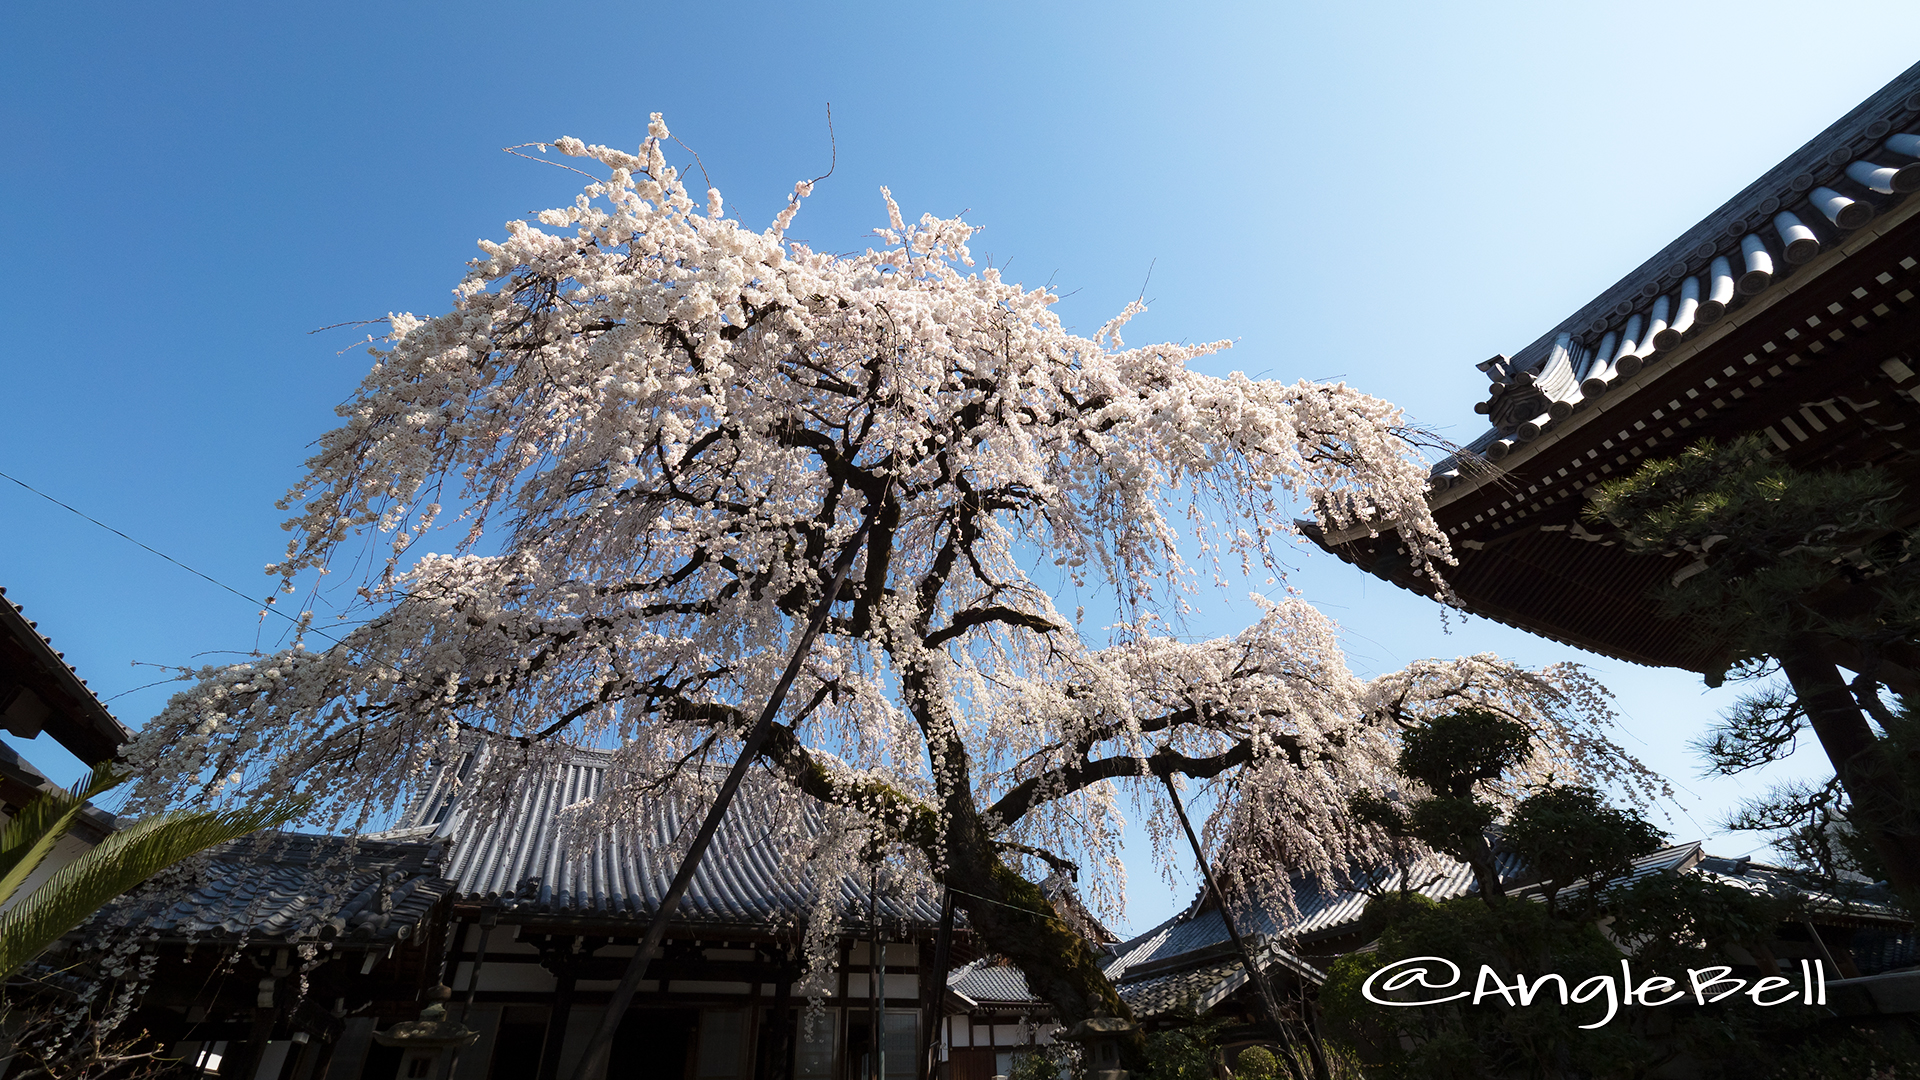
[[520, 855], [1202, 987], [1187, 958], [989, 983], [296, 887]]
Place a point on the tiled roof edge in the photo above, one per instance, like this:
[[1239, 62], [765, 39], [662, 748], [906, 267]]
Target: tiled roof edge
[[1899, 99], [89, 729]]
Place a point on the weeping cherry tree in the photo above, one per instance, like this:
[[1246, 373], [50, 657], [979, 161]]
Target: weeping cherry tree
[[648, 433]]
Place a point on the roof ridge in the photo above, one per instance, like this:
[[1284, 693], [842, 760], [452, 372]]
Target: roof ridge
[[1812, 199]]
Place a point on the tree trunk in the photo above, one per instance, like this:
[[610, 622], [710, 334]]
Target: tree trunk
[[1881, 809], [1013, 917], [1486, 871]]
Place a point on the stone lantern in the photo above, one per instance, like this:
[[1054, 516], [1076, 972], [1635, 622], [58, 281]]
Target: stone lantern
[[426, 1041], [1100, 1038]]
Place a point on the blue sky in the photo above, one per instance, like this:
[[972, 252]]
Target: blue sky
[[1384, 193]]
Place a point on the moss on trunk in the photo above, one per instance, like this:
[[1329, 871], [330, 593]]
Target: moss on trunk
[[1014, 918]]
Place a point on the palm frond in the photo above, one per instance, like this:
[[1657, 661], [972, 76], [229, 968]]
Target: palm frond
[[30, 836], [119, 863]]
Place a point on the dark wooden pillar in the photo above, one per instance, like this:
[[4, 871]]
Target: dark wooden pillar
[[933, 988], [777, 1061], [319, 1054], [329, 1027], [241, 1061], [306, 1058], [558, 959]]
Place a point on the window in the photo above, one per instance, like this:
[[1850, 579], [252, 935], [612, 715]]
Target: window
[[723, 1037], [899, 1043], [813, 1050]]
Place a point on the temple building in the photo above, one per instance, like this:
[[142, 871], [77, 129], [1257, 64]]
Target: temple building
[[1189, 965], [991, 1018], [41, 694], [298, 957], [542, 935], [1789, 311]]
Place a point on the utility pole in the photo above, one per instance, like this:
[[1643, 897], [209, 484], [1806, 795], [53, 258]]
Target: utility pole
[[876, 975]]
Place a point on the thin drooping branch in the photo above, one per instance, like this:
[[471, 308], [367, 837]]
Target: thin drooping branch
[[593, 1059], [682, 421]]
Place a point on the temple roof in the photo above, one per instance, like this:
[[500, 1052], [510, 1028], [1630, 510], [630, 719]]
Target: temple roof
[[520, 855], [295, 887], [1190, 958], [21, 782], [1864, 164], [40, 691], [1771, 317], [989, 981]]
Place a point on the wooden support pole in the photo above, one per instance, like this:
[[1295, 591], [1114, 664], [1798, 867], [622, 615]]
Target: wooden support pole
[[937, 995], [557, 1022], [779, 1063], [593, 1061], [1255, 972], [876, 976], [485, 924]]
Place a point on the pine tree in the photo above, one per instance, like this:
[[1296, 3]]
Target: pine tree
[[1804, 573]]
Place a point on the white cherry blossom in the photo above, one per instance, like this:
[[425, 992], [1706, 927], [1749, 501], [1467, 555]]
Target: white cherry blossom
[[647, 431]]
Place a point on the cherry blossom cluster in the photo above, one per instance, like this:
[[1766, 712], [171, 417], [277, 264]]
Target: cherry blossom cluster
[[608, 485]]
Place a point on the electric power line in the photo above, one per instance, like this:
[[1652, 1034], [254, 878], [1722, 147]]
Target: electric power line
[[138, 544], [302, 624]]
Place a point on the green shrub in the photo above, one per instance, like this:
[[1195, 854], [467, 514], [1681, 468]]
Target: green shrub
[[1256, 1063], [1184, 1052], [1044, 1063]]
